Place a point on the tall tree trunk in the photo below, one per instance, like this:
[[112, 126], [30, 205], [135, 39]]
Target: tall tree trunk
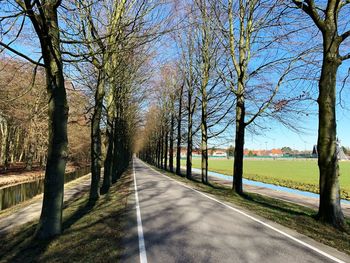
[[239, 146], [154, 151], [20, 158], [204, 140], [166, 150], [7, 148], [107, 175], [116, 150], [189, 142], [205, 67], [171, 144], [329, 207], [158, 151], [4, 143], [108, 163], [23, 147], [2, 130], [42, 157], [162, 148], [178, 144], [96, 154], [30, 156], [30, 149], [50, 223], [156, 148], [12, 145], [17, 144]]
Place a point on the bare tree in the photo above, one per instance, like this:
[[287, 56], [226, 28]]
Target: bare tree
[[247, 43], [325, 17], [44, 19]]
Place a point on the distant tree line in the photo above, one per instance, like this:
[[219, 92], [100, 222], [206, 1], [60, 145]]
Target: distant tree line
[[24, 122]]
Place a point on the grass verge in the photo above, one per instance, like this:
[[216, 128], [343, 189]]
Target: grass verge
[[92, 233], [290, 215]]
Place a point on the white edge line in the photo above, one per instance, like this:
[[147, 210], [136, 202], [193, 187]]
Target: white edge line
[[255, 219], [142, 248]]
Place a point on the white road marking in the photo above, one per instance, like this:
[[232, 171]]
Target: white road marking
[[254, 219], [142, 248]]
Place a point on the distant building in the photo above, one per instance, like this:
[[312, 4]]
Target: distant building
[[218, 153], [276, 153], [197, 152], [183, 153], [271, 153]]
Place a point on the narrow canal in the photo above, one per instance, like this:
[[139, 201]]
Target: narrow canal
[[269, 186], [14, 194]]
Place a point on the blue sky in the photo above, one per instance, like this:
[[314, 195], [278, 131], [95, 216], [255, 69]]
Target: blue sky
[[280, 136], [277, 135]]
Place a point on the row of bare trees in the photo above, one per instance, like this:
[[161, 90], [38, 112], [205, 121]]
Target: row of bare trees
[[241, 63], [112, 36], [101, 47]]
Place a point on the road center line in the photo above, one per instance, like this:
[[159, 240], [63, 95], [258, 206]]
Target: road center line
[[142, 248], [254, 219]]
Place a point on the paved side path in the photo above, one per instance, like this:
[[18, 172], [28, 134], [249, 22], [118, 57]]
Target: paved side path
[[32, 211], [311, 202], [293, 198], [183, 225]]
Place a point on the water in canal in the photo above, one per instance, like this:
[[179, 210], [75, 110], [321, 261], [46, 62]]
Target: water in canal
[[265, 185], [15, 194]]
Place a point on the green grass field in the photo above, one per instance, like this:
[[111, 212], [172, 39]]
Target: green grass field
[[297, 174]]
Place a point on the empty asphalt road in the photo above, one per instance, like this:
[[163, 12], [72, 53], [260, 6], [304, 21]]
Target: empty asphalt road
[[178, 224]]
